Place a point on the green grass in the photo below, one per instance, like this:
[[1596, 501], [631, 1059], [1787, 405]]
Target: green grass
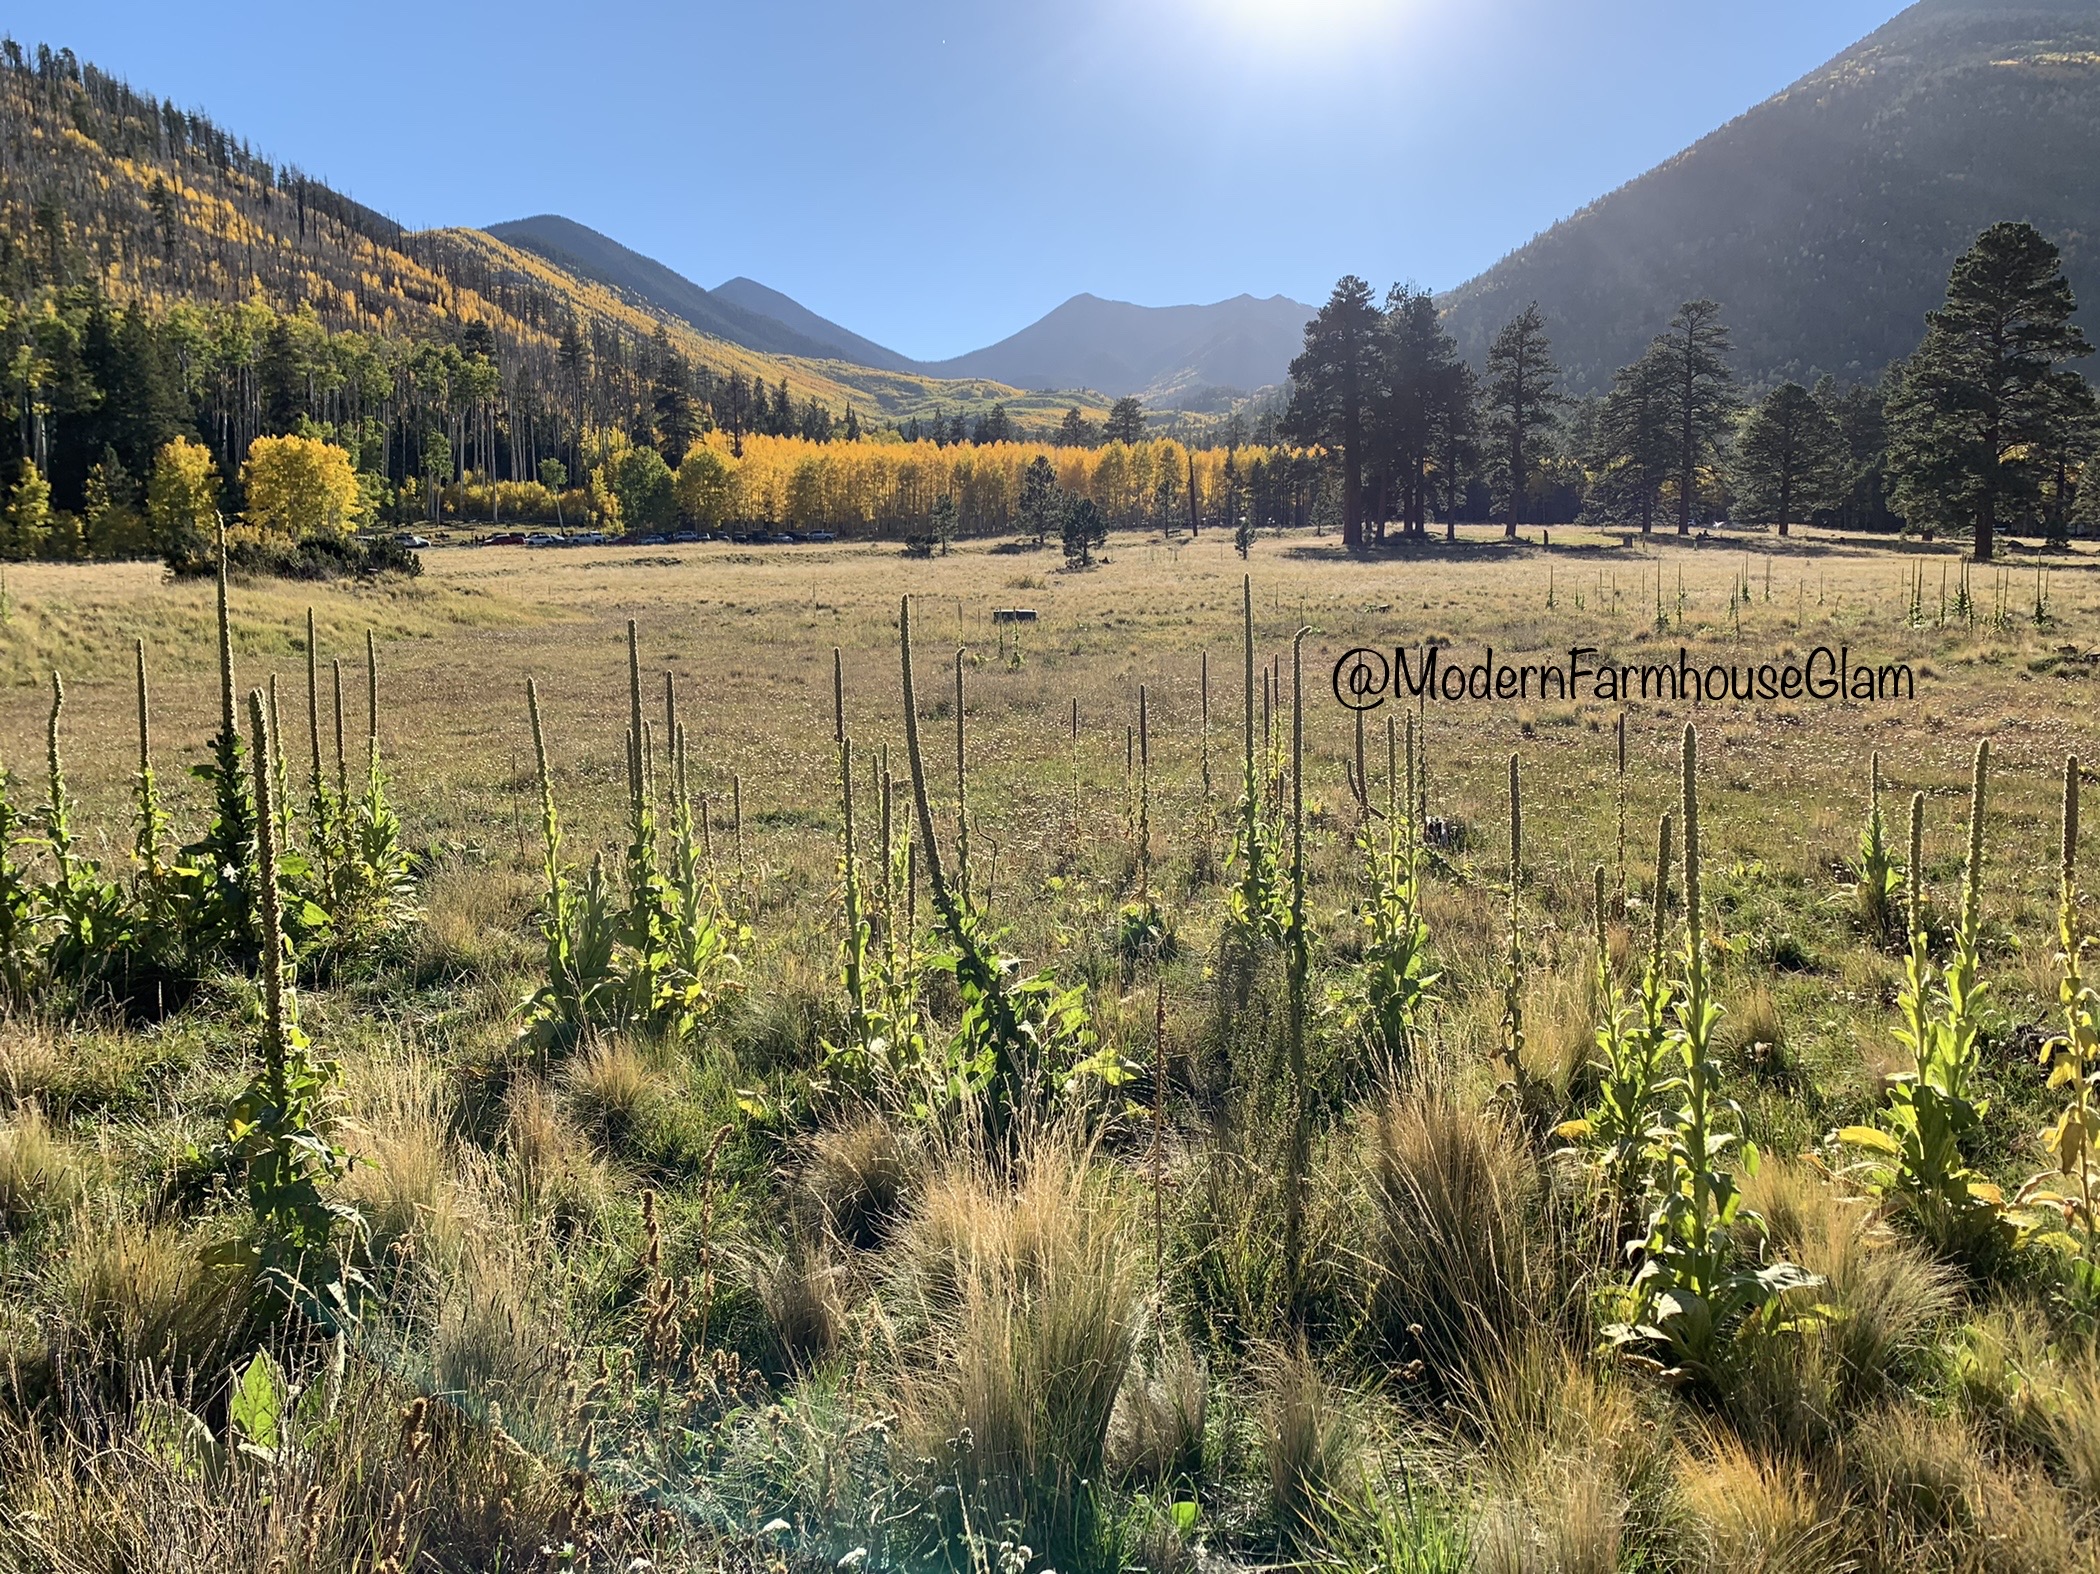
[[852, 1318]]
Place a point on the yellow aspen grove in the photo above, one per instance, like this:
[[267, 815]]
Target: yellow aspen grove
[[878, 488], [297, 487]]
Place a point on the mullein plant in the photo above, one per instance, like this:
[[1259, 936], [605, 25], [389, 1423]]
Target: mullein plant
[[1617, 1135], [219, 868], [1297, 951], [1880, 881], [1694, 1294], [93, 921], [1018, 1041], [380, 883], [1914, 1155], [277, 1134], [1255, 908], [2059, 1205], [1397, 987], [1523, 1093], [578, 928], [21, 968]]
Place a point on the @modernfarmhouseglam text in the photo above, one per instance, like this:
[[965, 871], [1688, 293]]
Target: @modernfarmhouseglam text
[[1365, 678]]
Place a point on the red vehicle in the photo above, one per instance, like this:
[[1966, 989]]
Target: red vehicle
[[504, 538]]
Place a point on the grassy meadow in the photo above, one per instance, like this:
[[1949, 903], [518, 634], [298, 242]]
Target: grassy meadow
[[1231, 1271]]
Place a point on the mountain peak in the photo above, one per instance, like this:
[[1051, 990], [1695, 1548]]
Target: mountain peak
[[1825, 219]]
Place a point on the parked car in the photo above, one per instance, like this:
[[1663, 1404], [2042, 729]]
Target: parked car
[[781, 538], [505, 538], [590, 538], [684, 536], [544, 538], [653, 541], [824, 536], [411, 540]]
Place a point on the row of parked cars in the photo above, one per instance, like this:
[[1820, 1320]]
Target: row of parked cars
[[598, 538]]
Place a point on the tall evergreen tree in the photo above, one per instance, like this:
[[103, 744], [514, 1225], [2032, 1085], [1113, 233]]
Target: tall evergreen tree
[[1980, 398], [1334, 390], [1522, 396], [1042, 499], [1790, 458], [1700, 390], [1420, 388], [1126, 421], [1631, 455]]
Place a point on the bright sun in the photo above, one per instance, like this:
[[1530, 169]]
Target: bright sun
[[1300, 22]]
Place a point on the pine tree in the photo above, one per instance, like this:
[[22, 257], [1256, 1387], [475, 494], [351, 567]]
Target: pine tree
[[1522, 395], [1334, 389], [1126, 421], [1631, 454], [1789, 461], [1700, 395], [1980, 396]]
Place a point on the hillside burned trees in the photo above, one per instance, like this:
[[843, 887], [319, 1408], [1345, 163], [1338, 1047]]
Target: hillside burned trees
[[1986, 397]]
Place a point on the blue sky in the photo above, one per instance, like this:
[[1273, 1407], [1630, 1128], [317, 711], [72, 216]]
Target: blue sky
[[936, 175]]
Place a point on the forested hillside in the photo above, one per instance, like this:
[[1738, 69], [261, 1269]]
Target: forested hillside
[[161, 278], [1824, 220]]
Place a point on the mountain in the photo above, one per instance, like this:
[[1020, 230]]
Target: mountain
[[1169, 355], [1825, 220], [841, 344], [1163, 354], [589, 255]]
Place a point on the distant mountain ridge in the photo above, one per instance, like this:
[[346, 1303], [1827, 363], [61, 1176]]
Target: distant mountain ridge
[[1825, 219], [842, 343], [1164, 354], [1155, 352]]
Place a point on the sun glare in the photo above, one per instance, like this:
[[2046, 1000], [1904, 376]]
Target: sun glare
[[1300, 24]]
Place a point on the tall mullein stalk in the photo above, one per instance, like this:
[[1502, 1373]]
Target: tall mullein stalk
[[1298, 968], [556, 895], [58, 817], [736, 823], [1879, 879], [153, 822], [1619, 733], [1072, 768], [1144, 795], [276, 1042], [853, 948], [227, 854], [1696, 1012], [1513, 948], [1915, 1155], [1158, 1158], [1205, 732], [978, 972], [1694, 1291], [1253, 905], [314, 780], [1360, 781], [1617, 1133], [277, 1126], [647, 930], [962, 786], [281, 771], [320, 811], [2061, 1200], [342, 767]]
